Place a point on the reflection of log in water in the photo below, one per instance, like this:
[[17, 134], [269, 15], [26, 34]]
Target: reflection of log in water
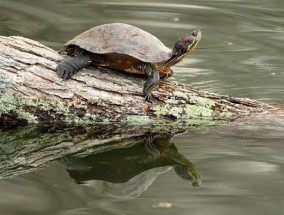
[[134, 167], [112, 153]]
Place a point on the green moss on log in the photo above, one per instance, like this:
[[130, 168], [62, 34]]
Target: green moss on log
[[137, 119], [30, 110]]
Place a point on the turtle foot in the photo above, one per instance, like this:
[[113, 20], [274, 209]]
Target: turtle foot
[[149, 98], [64, 71], [71, 65]]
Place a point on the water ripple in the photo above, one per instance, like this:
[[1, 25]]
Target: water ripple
[[157, 6]]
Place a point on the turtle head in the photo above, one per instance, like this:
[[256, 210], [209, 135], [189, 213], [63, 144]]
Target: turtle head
[[185, 46]]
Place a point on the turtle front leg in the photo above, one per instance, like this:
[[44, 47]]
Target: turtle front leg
[[71, 65], [153, 79]]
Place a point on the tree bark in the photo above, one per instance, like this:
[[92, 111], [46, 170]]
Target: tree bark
[[31, 92]]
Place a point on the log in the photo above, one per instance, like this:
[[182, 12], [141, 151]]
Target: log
[[31, 92]]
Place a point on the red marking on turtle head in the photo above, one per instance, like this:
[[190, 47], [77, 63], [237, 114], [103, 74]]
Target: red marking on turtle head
[[185, 39], [188, 42]]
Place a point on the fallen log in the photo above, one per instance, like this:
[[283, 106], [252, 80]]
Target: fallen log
[[31, 92]]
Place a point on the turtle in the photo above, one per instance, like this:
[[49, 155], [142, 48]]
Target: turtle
[[125, 48]]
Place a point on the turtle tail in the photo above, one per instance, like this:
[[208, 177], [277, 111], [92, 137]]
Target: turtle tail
[[71, 65]]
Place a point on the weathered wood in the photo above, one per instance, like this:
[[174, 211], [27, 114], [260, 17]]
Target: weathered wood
[[31, 92]]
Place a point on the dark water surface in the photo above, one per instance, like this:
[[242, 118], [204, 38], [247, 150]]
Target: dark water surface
[[241, 54]]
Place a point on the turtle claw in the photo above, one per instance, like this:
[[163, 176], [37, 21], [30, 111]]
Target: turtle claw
[[149, 98], [67, 75], [64, 75], [64, 71]]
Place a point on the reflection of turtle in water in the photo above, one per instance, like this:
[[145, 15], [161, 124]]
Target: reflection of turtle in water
[[126, 48], [120, 165], [170, 155]]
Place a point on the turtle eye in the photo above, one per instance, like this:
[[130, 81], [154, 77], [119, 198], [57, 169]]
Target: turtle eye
[[194, 33]]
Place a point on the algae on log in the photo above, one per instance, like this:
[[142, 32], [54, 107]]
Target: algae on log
[[30, 91]]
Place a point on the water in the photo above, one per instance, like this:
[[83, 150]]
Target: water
[[241, 54]]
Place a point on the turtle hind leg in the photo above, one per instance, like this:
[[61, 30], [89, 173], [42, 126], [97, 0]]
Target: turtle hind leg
[[71, 65], [153, 79]]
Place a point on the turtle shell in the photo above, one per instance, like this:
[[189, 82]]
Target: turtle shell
[[122, 39]]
